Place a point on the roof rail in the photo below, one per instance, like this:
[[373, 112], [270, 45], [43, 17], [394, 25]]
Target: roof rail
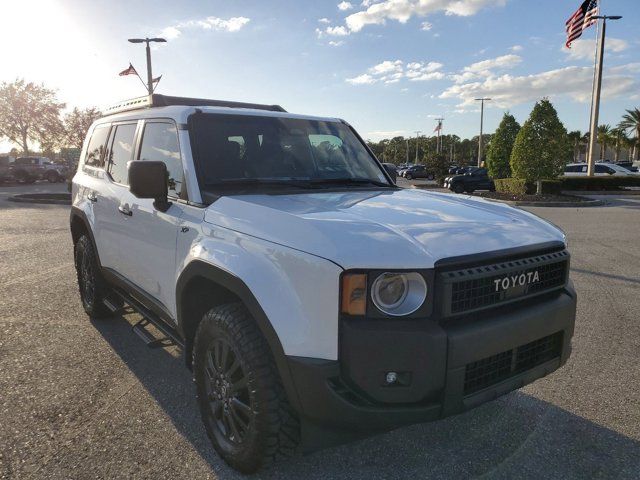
[[157, 100]]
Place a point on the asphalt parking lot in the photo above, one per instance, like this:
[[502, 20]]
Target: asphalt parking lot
[[86, 399]]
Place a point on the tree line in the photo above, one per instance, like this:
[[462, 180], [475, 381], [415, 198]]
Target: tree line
[[31, 114]]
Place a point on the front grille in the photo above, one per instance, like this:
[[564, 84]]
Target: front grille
[[470, 289], [491, 370]]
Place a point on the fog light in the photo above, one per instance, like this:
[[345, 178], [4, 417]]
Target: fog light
[[392, 377]]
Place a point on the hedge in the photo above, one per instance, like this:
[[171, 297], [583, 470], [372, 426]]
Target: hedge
[[598, 183], [519, 186]]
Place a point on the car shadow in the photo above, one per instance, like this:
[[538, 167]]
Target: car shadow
[[622, 278], [516, 436]]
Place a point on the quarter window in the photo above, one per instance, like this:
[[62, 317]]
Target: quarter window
[[96, 148], [121, 152], [160, 143]]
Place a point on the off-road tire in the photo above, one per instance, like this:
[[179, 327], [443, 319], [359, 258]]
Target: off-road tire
[[458, 188], [408, 176], [93, 288], [271, 427]]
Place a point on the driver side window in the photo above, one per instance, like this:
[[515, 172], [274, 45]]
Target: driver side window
[[160, 143]]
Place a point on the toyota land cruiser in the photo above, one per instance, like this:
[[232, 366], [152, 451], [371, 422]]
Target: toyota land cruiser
[[314, 300]]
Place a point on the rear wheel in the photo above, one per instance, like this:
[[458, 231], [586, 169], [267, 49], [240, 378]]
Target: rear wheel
[[93, 288], [430, 176], [242, 401]]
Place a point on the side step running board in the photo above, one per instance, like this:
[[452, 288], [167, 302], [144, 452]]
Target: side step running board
[[170, 335]]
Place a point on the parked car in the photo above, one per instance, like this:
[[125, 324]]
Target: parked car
[[628, 165], [417, 171], [391, 170], [314, 300], [453, 169], [476, 179], [459, 171], [601, 169], [30, 169], [5, 168]]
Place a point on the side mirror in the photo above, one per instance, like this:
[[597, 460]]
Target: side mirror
[[148, 179], [392, 171]]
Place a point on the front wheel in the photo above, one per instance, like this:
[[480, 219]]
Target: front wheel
[[408, 176], [93, 288], [53, 177], [242, 401], [458, 188]]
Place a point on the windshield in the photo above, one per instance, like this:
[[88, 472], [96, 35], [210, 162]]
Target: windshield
[[245, 151]]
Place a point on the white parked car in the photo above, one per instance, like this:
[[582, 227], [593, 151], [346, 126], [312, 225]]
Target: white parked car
[[601, 169], [314, 300]]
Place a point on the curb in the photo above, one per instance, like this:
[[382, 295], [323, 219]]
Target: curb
[[523, 203], [601, 192], [42, 198]]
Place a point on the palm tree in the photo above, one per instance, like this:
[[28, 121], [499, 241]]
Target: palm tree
[[604, 135], [576, 138], [631, 122], [621, 139]]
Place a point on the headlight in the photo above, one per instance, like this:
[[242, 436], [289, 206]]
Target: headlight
[[399, 294]]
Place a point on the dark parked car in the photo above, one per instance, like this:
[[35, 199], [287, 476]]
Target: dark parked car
[[5, 168], [391, 170], [477, 179], [418, 171], [30, 169]]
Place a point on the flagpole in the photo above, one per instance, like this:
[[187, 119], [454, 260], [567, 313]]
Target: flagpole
[[597, 86]]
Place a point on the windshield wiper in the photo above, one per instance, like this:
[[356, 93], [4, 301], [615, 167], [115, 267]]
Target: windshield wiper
[[271, 182], [349, 181]]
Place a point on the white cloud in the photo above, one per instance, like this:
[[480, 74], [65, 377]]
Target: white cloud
[[337, 31], [324, 20], [345, 6], [336, 43], [516, 48], [392, 71], [364, 79], [426, 26], [232, 24], [485, 68], [584, 49], [403, 10], [573, 82]]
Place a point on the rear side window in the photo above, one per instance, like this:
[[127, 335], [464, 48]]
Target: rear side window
[[160, 143], [97, 146], [121, 152]]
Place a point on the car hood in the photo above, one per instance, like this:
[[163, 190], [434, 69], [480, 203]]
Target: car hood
[[403, 228]]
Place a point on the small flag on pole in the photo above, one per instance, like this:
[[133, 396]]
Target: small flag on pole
[[438, 127], [580, 20], [157, 79], [128, 71]]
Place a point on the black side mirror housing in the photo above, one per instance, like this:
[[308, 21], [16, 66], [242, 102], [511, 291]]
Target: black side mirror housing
[[148, 179]]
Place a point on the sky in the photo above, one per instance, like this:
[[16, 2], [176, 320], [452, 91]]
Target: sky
[[388, 67]]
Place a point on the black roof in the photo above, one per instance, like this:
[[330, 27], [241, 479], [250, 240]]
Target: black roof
[[157, 100]]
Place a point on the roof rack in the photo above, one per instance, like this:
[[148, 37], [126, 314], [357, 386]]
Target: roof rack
[[157, 100]]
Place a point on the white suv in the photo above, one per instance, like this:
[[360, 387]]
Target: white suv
[[314, 300]]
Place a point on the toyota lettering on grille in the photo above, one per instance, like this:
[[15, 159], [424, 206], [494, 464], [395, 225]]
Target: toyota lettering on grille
[[511, 281]]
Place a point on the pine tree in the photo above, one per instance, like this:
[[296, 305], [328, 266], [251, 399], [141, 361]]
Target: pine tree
[[542, 147], [499, 152]]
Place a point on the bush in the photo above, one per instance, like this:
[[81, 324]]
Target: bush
[[598, 183], [519, 186], [515, 186], [499, 151]]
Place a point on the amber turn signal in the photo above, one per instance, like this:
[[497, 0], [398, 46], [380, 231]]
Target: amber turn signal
[[354, 294]]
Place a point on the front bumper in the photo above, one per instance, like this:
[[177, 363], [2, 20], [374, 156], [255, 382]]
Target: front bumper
[[433, 361]]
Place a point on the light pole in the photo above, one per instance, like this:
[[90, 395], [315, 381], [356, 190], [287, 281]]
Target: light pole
[[418, 132], [595, 104], [481, 100], [149, 74]]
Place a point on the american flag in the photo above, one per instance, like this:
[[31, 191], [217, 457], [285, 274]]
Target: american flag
[[128, 71], [581, 19], [438, 127]]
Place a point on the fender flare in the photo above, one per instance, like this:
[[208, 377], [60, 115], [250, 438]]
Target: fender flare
[[78, 213], [199, 268]]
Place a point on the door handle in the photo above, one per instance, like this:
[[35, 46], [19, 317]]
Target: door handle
[[92, 197], [125, 210]]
